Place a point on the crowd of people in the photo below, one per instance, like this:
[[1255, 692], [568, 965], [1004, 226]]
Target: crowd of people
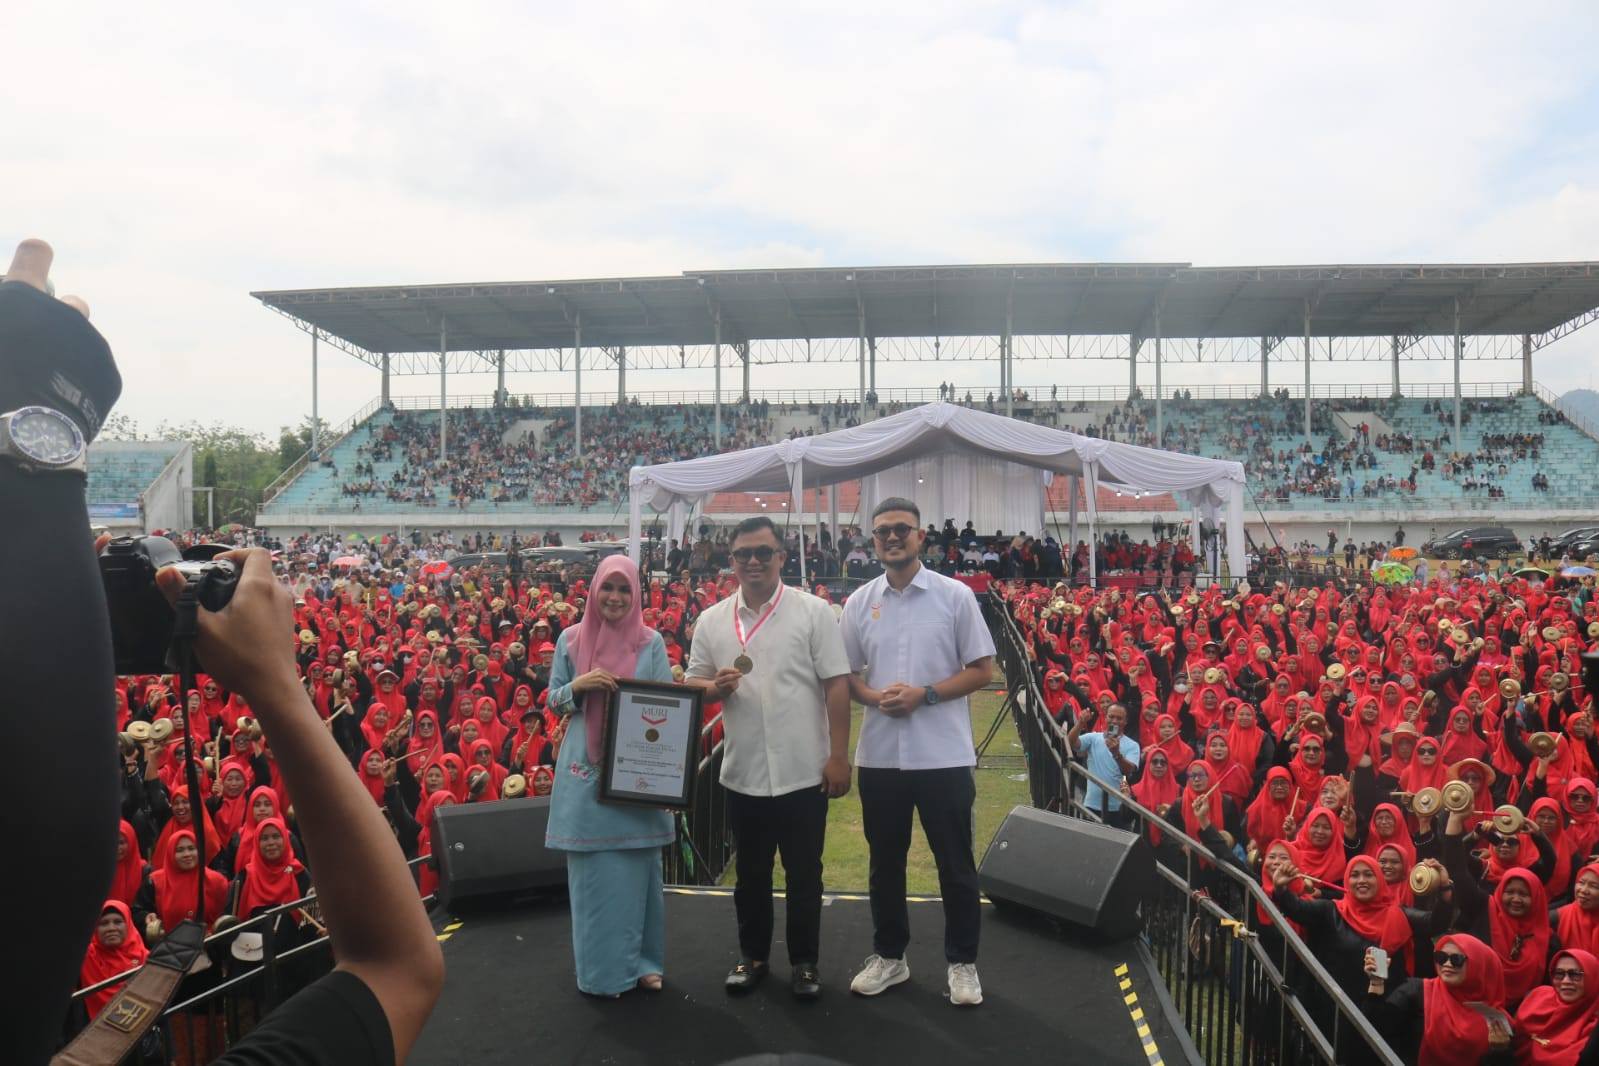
[[1409, 773]]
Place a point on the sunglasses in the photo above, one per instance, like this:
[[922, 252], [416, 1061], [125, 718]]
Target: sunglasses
[[1450, 958], [1565, 975], [898, 530], [762, 554]]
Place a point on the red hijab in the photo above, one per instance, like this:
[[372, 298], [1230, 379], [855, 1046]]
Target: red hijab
[[102, 962], [213, 839], [1558, 1032], [1584, 828], [1178, 751], [1308, 778], [269, 884], [1298, 886], [595, 643], [1457, 745], [231, 814], [177, 893], [1264, 821], [1452, 1033], [1417, 776], [1400, 837], [1155, 792], [1323, 863], [251, 823], [1560, 880], [1234, 778], [373, 782], [130, 871], [1532, 930], [1378, 920], [1579, 928]]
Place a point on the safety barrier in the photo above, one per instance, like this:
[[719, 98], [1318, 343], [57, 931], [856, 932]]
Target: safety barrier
[[1247, 992]]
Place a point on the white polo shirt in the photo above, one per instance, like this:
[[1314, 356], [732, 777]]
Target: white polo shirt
[[777, 738], [921, 635]]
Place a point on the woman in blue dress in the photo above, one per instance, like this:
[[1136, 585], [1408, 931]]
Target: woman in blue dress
[[613, 861]]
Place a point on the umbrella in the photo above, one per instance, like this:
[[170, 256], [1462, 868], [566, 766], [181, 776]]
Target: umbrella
[[1531, 573], [1577, 571], [1393, 574], [1398, 555], [349, 560], [356, 538], [437, 568]]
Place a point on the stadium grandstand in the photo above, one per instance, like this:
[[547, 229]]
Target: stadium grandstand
[[140, 485], [1316, 453]]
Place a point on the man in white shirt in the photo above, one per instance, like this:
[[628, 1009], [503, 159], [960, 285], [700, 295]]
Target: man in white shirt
[[919, 646], [775, 658]]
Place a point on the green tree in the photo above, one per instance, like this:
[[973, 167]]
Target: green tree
[[236, 463]]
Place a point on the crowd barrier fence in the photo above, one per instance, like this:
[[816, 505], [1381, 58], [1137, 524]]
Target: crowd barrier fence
[[1244, 998]]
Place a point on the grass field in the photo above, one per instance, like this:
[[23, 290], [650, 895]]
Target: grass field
[[844, 860]]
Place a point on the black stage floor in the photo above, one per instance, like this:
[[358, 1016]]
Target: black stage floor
[[509, 996]]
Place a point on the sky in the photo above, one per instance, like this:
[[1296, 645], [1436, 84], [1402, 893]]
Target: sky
[[179, 156]]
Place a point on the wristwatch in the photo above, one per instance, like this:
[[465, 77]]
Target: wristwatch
[[930, 695], [42, 440]]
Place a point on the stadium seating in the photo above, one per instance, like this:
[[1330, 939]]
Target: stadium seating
[[122, 471], [520, 460]]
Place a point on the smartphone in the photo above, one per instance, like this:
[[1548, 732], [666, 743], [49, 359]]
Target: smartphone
[[1380, 958], [1113, 730]]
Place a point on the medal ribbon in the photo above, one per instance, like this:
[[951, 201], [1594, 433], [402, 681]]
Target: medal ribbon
[[738, 624]]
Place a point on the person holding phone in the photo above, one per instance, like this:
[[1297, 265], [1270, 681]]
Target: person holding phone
[[1110, 755]]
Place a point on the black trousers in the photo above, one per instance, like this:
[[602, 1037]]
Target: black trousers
[[943, 799], [793, 825]]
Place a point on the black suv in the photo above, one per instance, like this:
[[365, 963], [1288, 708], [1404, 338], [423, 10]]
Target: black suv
[[1478, 542]]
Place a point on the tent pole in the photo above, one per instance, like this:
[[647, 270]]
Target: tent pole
[[1460, 350], [1158, 412], [1005, 359], [316, 419], [1307, 370], [444, 366], [717, 323], [860, 318], [577, 398]]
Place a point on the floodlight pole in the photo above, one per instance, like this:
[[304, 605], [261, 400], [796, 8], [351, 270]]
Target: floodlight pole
[[444, 366], [716, 321], [1459, 354], [577, 398], [316, 422], [1307, 370]]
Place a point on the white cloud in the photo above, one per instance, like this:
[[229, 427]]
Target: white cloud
[[183, 155]]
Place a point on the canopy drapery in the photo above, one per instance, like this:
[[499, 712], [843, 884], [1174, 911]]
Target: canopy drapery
[[1213, 488]]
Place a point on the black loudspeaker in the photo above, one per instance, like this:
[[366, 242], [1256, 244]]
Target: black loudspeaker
[[1081, 872], [494, 849]]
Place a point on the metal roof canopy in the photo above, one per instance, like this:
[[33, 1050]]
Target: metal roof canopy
[[1541, 300]]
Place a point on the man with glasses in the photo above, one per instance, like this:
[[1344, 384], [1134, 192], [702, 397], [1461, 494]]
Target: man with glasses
[[919, 646], [774, 657]]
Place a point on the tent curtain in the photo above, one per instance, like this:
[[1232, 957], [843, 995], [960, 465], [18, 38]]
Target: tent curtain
[[993, 494]]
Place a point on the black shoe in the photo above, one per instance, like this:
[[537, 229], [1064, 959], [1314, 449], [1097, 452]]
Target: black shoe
[[805, 982], [745, 976]]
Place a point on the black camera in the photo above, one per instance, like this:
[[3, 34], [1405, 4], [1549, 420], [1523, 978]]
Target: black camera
[[141, 619]]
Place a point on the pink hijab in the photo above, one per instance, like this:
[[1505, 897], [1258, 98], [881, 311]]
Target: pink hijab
[[596, 643]]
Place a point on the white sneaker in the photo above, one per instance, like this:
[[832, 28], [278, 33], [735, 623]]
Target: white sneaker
[[879, 974], [964, 989]]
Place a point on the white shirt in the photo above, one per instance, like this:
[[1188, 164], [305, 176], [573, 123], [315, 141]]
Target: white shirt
[[777, 738], [921, 635]]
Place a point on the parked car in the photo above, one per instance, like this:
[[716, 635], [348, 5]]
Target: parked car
[[1571, 538], [1475, 542]]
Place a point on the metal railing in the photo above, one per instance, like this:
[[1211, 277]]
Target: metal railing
[[329, 441], [704, 844], [1246, 992]]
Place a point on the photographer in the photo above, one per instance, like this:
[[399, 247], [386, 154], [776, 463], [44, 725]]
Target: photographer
[[388, 965], [1111, 755]]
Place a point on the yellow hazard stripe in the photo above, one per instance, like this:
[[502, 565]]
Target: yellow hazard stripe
[[1136, 1014]]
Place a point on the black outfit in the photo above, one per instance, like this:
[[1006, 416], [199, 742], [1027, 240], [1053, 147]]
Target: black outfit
[[1399, 1017], [794, 825], [336, 1021], [943, 799]]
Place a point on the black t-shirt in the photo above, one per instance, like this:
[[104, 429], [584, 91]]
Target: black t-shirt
[[335, 1022]]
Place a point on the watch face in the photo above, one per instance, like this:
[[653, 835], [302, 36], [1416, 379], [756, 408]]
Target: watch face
[[45, 436]]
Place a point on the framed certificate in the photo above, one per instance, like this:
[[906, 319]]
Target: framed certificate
[[652, 743]]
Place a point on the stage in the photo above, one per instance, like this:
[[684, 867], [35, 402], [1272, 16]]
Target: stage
[[509, 996]]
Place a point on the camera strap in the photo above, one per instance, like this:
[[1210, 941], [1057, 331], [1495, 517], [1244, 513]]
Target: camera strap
[[122, 1023]]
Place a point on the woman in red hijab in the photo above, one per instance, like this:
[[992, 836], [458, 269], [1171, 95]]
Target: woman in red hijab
[[1577, 923], [131, 867], [370, 770], [183, 818], [1461, 740], [175, 888], [1580, 806], [271, 875], [229, 810], [1546, 814], [1157, 789], [1320, 844], [1518, 923], [1433, 1022], [1309, 767], [1427, 768], [1265, 819], [1168, 738], [1387, 826], [1556, 1022], [1340, 932], [263, 805], [115, 948], [1235, 780], [424, 841]]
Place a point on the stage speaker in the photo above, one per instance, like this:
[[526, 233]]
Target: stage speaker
[[1081, 872], [494, 850]]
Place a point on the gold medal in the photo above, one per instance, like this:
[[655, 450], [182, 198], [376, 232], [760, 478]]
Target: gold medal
[[743, 664]]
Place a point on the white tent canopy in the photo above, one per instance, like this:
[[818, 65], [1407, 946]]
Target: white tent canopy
[[1212, 488]]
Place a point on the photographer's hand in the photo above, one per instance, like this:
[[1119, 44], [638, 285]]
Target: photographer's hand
[[379, 929]]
